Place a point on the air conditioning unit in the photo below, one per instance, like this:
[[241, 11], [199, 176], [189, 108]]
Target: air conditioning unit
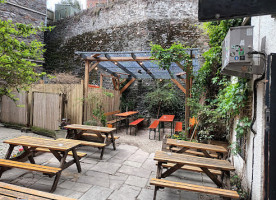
[[235, 48]]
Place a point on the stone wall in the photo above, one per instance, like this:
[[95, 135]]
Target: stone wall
[[123, 26], [127, 25], [25, 11]]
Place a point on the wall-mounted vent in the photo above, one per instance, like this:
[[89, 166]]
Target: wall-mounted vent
[[235, 48]]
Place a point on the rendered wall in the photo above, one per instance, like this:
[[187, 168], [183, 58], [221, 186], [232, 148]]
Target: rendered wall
[[263, 26]]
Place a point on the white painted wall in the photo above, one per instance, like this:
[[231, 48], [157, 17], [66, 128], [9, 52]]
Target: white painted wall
[[263, 26]]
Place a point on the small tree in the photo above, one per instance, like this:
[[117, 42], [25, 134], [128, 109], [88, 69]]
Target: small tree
[[17, 56]]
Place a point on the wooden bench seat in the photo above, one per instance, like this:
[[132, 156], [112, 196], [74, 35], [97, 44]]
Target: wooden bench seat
[[178, 127], [91, 144], [80, 154], [153, 127], [113, 122], [29, 166], [191, 187], [135, 124], [192, 168], [9, 191], [51, 171], [193, 152], [95, 135]]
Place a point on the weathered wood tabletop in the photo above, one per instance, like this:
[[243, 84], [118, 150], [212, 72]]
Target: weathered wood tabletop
[[185, 145], [180, 160]]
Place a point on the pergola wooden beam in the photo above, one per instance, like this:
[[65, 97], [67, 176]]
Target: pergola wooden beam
[[127, 85], [118, 59], [179, 85], [143, 66], [121, 66], [91, 67]]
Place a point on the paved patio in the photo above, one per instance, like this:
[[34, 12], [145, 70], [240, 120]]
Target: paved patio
[[122, 174]]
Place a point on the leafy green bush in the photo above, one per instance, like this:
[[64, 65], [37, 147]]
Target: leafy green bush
[[164, 100]]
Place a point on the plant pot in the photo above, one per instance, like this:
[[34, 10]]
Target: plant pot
[[61, 133]]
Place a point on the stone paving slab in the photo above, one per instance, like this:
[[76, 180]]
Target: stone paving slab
[[122, 174]]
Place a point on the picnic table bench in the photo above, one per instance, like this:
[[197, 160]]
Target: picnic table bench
[[59, 148], [113, 122], [207, 165], [204, 148], [9, 191], [135, 124], [126, 116], [153, 127]]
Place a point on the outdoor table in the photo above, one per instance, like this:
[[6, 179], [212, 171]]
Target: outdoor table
[[179, 160], [204, 148], [167, 118], [73, 130], [59, 149], [126, 115]]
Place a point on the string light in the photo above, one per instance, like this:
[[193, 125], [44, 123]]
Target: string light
[[115, 63], [96, 68]]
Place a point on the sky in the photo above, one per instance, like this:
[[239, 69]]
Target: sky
[[51, 4]]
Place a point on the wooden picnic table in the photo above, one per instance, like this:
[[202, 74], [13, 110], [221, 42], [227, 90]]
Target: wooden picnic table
[[126, 115], [59, 149], [167, 118], [9, 191], [204, 148], [72, 130], [179, 160]]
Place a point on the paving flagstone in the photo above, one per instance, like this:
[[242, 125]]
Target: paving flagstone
[[123, 174]]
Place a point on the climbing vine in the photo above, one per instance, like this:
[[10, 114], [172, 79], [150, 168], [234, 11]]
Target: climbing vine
[[176, 53]]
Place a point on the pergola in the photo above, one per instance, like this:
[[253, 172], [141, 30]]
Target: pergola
[[130, 66]]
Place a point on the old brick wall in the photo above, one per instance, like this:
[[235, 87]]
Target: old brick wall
[[27, 12]]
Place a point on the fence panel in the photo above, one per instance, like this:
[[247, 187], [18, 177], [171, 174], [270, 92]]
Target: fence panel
[[108, 99], [47, 110], [73, 106], [15, 112]]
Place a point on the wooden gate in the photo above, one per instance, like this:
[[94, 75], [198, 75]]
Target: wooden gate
[[46, 109]]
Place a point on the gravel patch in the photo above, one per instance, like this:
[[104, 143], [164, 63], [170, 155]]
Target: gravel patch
[[8, 133]]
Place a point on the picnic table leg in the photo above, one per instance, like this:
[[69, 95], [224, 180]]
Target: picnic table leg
[[113, 141], [171, 170], [54, 186], [76, 159], [158, 175], [9, 152], [211, 176], [30, 157]]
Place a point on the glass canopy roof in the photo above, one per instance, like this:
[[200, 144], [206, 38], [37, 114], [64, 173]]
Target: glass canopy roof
[[139, 69]]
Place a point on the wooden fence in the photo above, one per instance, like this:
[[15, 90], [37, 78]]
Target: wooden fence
[[109, 100], [59, 101], [15, 112]]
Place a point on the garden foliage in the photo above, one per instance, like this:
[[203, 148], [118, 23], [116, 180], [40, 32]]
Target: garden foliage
[[17, 56]]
